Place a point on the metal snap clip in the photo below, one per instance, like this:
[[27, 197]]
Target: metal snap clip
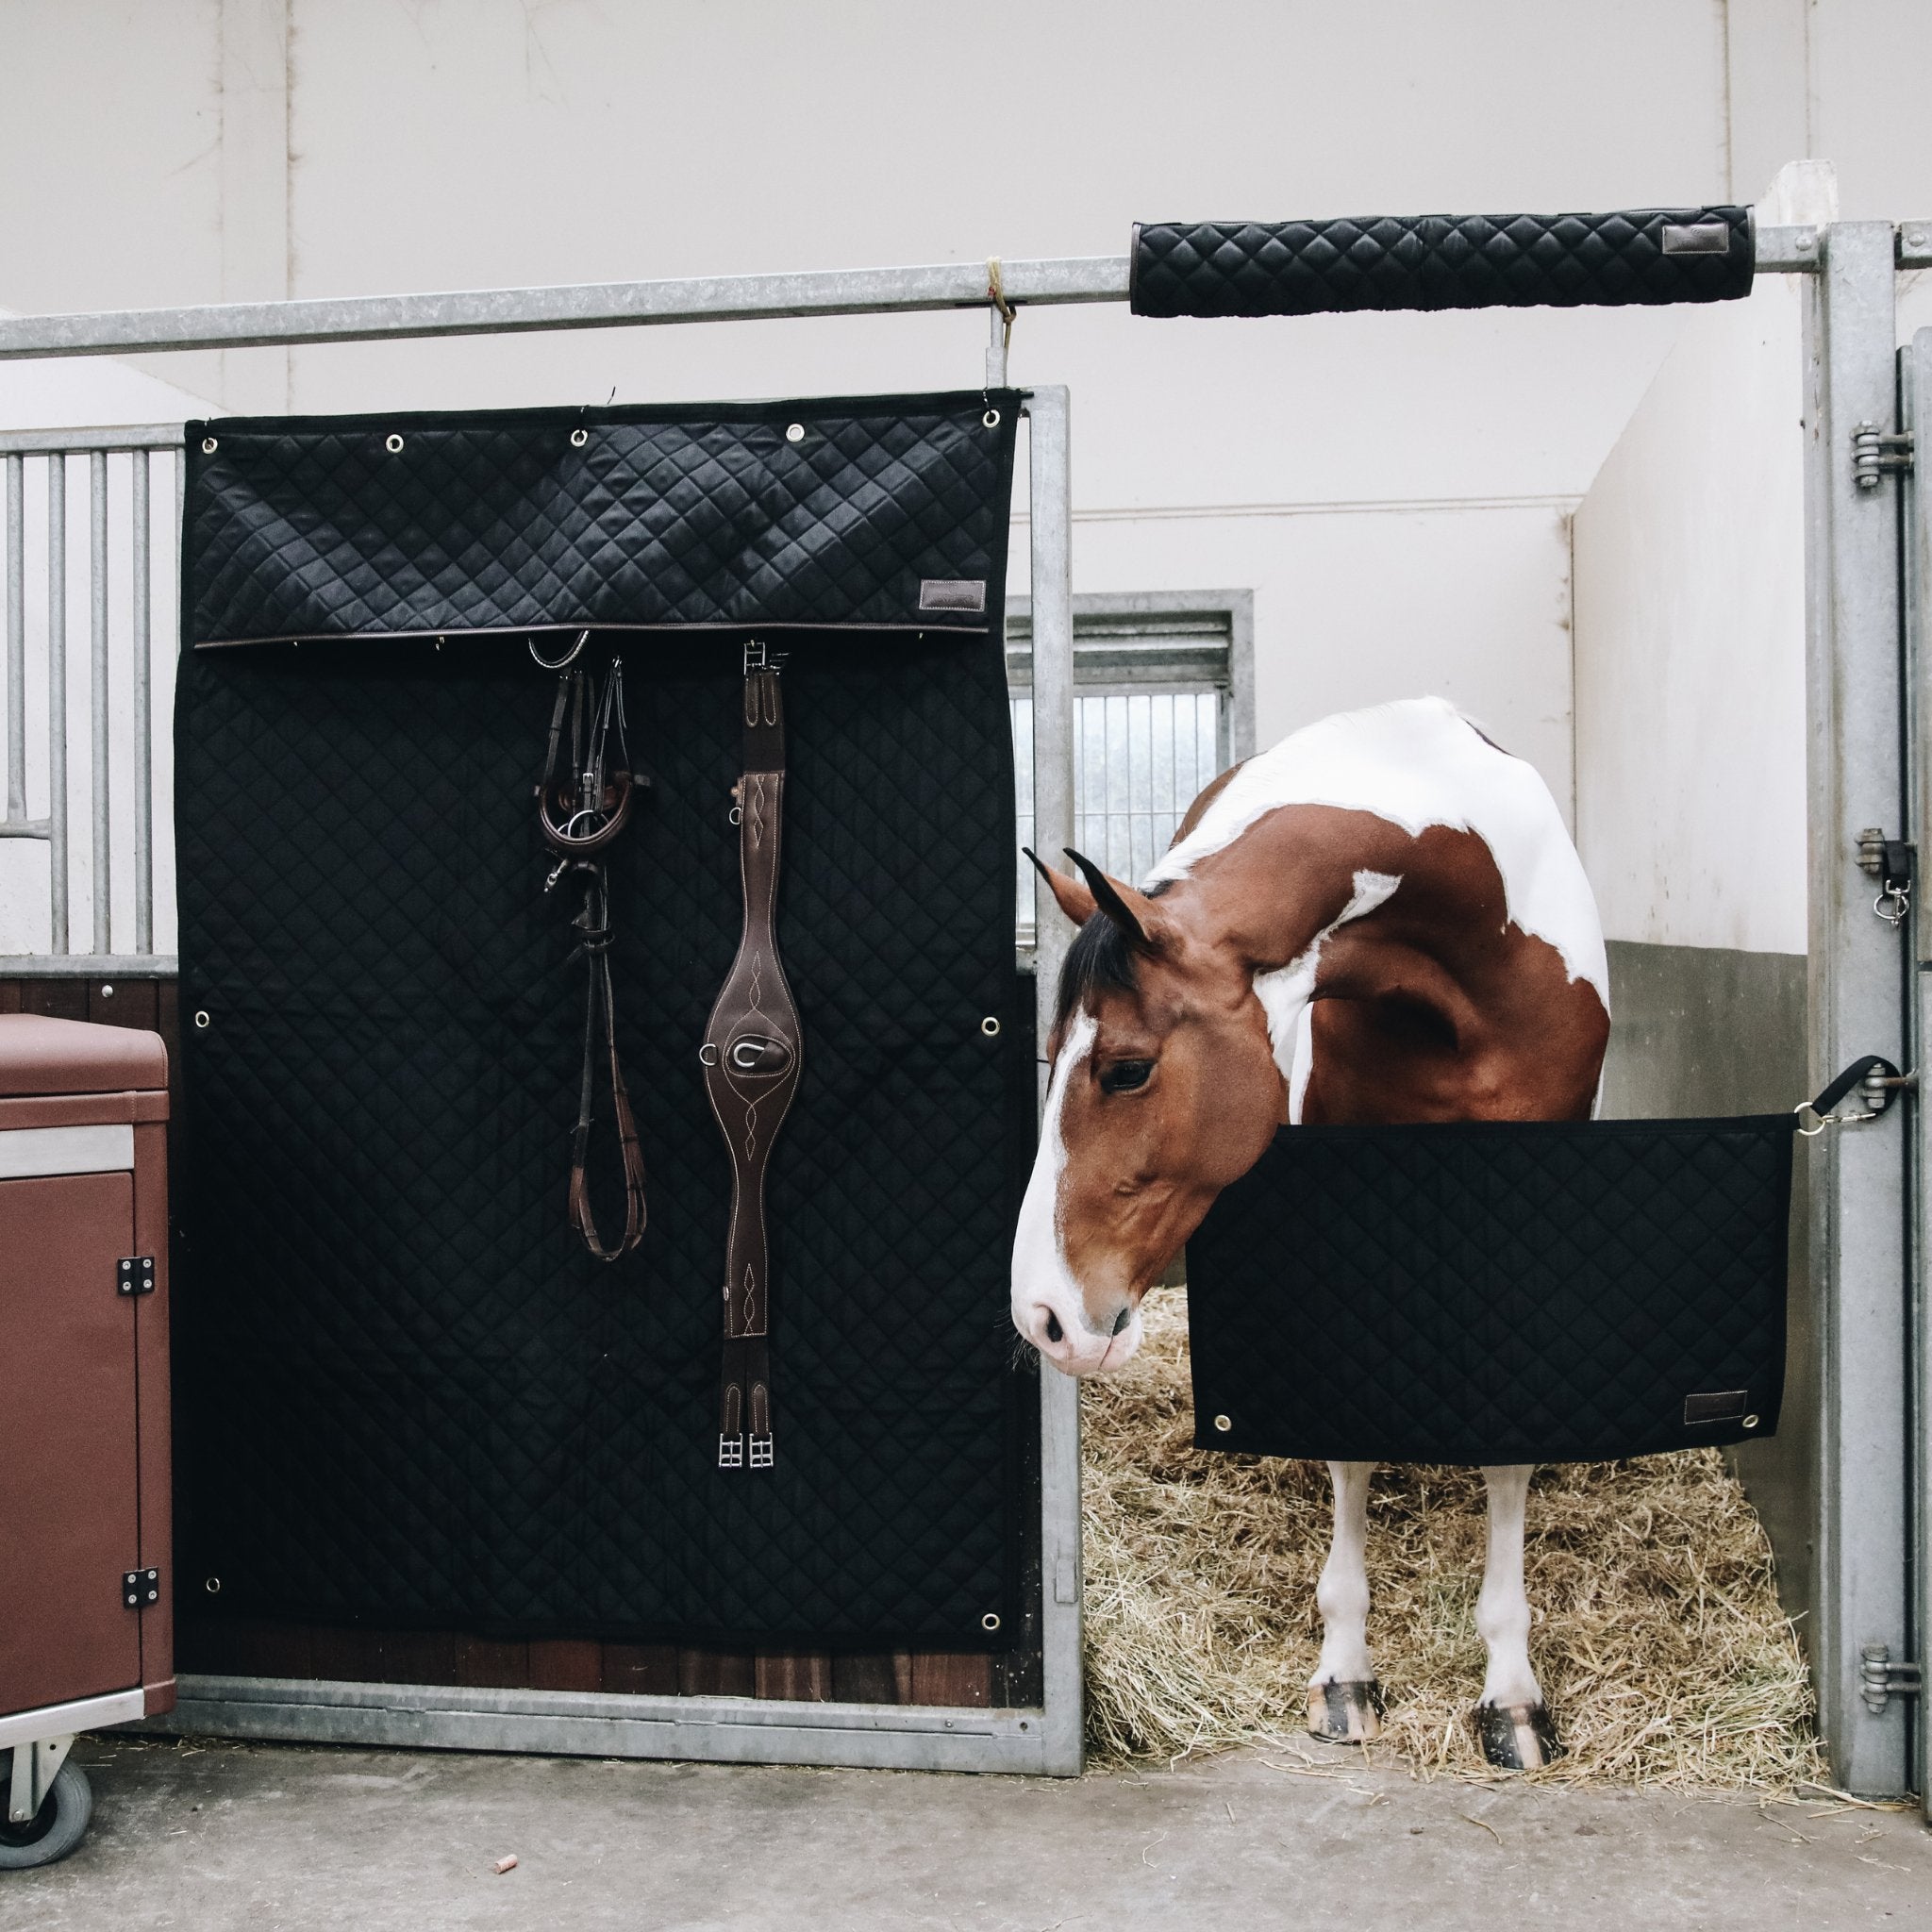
[[393, 442], [208, 445], [991, 1620], [992, 418], [1223, 1424], [708, 1055], [578, 438], [794, 432], [990, 1027], [213, 1585], [201, 1023]]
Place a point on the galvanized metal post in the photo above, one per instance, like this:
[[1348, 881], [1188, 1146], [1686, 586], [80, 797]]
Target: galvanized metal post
[[16, 641], [1050, 484], [56, 703], [101, 834], [143, 713], [1858, 1175]]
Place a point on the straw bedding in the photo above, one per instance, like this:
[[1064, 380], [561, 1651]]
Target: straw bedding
[[1659, 1636]]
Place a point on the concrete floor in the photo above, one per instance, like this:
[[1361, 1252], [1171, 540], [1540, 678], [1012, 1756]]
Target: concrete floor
[[219, 1836]]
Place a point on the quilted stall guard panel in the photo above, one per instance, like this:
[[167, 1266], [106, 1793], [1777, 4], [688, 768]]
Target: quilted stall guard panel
[[768, 514], [408, 1396], [1442, 261], [1495, 1293]]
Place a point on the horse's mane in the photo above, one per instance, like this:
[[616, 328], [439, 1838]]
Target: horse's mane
[[1102, 958]]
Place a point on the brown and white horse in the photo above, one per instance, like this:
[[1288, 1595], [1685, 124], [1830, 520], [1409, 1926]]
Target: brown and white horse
[[1381, 919]]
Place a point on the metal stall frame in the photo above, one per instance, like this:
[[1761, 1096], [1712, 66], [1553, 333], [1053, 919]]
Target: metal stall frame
[[1864, 1252]]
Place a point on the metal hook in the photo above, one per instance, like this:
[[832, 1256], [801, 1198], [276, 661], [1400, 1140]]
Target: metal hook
[[563, 662]]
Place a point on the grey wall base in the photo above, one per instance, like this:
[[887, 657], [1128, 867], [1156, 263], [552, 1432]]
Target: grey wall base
[[729, 1730], [1701, 1030]]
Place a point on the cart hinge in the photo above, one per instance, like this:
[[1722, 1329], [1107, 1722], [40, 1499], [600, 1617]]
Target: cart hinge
[[1874, 452], [1882, 1676], [1894, 863], [141, 1587], [135, 1276]]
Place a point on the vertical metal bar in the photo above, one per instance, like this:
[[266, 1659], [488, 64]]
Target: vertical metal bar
[[56, 701], [1052, 527], [16, 638], [1859, 964], [144, 717], [100, 843]]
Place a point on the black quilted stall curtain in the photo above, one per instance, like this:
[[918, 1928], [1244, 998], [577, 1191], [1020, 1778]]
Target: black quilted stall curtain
[[1496, 1292], [1641, 256], [408, 1396]]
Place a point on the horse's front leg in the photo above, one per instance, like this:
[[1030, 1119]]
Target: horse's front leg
[[1512, 1721], [1344, 1699]]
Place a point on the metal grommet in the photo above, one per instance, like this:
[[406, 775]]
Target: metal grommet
[[707, 1055], [992, 418], [794, 432], [213, 1585], [208, 445], [393, 442], [991, 1620], [1750, 1422], [578, 438], [106, 992], [201, 1021], [990, 1026], [1223, 1424]]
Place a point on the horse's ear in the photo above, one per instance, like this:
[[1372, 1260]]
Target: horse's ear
[[1073, 898], [1133, 912]]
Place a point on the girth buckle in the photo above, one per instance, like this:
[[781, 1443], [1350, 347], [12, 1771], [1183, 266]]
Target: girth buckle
[[731, 1452]]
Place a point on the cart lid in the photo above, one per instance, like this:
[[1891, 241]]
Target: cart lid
[[39, 1055]]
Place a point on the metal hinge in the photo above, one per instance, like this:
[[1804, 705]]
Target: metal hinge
[[135, 1276], [1894, 863], [141, 1587], [1882, 1677], [1874, 452]]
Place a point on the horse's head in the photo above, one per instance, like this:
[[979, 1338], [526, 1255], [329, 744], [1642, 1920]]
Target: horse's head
[[1164, 1089]]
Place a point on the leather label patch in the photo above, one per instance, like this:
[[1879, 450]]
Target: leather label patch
[[1723, 1405], [952, 593], [1697, 238]]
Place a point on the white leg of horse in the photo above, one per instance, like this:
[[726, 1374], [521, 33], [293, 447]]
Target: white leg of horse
[[1344, 1700], [1512, 1720]]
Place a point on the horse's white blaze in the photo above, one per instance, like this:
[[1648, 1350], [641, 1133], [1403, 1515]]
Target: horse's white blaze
[[1417, 763], [1042, 1283], [1286, 991]]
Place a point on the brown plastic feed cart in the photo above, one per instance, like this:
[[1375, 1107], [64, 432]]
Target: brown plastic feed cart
[[86, 1614]]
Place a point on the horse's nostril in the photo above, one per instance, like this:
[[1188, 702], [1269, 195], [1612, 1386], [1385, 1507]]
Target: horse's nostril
[[1054, 1331], [1121, 1321]]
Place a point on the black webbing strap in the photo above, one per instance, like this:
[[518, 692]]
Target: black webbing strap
[[1854, 1075], [752, 1057]]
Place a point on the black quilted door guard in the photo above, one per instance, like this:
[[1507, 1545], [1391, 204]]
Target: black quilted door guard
[[1442, 261]]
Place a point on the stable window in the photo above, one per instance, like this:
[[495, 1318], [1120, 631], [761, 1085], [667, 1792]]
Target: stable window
[[1163, 700]]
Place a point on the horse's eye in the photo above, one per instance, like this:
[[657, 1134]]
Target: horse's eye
[[1124, 1075]]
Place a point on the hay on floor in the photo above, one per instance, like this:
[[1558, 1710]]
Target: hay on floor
[[1659, 1638]]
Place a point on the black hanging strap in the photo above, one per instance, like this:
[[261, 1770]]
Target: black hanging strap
[[1854, 1075]]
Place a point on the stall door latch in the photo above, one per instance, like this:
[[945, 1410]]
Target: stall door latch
[[1874, 452], [135, 1276], [141, 1587], [1893, 862], [1882, 1677]]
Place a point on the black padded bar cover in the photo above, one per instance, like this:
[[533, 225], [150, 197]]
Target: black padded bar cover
[[1442, 261], [852, 515]]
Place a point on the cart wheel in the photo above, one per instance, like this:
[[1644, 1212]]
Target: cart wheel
[[60, 1824]]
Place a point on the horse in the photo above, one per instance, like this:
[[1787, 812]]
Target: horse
[[1381, 919]]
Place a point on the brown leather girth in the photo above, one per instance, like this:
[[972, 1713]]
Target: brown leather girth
[[581, 810], [752, 1054]]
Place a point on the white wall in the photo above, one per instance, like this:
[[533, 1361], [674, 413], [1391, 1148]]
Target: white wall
[[1689, 666]]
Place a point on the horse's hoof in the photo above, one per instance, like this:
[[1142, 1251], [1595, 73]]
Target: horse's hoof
[[1518, 1736], [1346, 1713]]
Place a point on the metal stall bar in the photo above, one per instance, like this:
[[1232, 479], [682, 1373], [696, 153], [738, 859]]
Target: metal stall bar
[[1052, 527], [56, 702], [100, 847], [1857, 1175], [144, 715]]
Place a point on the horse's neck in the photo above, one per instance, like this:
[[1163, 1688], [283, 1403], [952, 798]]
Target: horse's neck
[[1272, 892]]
